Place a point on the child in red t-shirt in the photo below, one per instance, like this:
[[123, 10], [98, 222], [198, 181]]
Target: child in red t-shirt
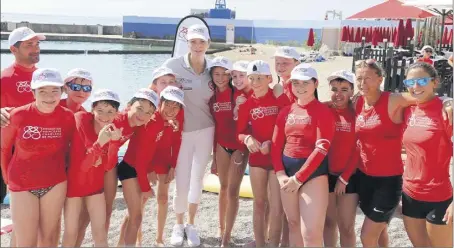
[[40, 133], [94, 150]]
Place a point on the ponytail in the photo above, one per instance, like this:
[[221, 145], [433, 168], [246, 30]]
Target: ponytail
[[316, 93]]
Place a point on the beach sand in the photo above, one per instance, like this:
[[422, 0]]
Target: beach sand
[[207, 219]]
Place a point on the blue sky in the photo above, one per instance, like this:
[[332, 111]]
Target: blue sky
[[245, 9]]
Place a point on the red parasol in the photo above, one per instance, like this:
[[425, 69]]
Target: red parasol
[[450, 37], [311, 40], [352, 35], [388, 33], [363, 32], [399, 37], [358, 35], [375, 37], [409, 32], [445, 36], [344, 34]]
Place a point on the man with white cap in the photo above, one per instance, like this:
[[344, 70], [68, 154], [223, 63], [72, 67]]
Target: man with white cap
[[15, 80], [285, 59], [198, 132]]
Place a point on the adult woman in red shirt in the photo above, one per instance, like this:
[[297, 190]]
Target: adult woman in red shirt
[[255, 126], [379, 118], [40, 133], [301, 140], [427, 190], [229, 157], [343, 159], [94, 150]]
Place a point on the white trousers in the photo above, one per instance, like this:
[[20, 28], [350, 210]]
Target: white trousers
[[195, 153]]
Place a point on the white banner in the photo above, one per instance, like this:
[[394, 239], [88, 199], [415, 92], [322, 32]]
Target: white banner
[[230, 34], [180, 46]]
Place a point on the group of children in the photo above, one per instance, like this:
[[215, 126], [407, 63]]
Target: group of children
[[311, 163]]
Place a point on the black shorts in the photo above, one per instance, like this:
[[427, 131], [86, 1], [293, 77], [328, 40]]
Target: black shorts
[[351, 186], [125, 171], [433, 212], [228, 150], [379, 196], [293, 165]]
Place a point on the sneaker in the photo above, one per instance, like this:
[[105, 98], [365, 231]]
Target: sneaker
[[177, 235], [192, 235]]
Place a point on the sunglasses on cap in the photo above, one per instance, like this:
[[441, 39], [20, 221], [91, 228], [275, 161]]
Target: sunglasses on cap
[[78, 87], [367, 61], [419, 81]]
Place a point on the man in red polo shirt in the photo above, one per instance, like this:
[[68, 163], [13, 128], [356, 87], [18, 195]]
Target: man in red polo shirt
[[15, 80]]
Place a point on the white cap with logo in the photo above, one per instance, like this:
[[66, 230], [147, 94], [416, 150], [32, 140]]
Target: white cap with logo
[[149, 95], [258, 67], [23, 34], [78, 73], [162, 71], [46, 77], [221, 62], [287, 52], [240, 66], [427, 47], [303, 72], [173, 93], [344, 74], [198, 31], [105, 95]]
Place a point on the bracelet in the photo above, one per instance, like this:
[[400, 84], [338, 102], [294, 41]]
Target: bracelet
[[296, 180], [343, 181], [247, 137]]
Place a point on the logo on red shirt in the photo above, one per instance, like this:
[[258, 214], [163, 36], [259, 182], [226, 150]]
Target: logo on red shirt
[[293, 119], [222, 106], [35, 132], [158, 137], [343, 126], [32, 132], [260, 112], [372, 121], [23, 86], [420, 121]]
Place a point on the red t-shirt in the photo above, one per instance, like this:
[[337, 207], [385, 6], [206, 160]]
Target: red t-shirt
[[168, 144], [221, 107], [85, 171], [15, 88], [64, 103], [260, 114], [427, 141], [121, 121], [426, 60], [343, 155], [141, 149], [379, 139], [41, 143], [288, 91], [303, 132]]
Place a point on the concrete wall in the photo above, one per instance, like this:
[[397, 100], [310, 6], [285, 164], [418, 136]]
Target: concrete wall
[[63, 28]]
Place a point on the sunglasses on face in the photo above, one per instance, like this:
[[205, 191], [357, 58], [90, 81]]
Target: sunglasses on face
[[78, 87], [420, 81], [428, 51]]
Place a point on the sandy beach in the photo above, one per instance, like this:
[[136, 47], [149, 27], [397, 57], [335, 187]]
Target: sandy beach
[[207, 219]]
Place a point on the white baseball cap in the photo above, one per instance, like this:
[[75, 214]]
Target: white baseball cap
[[426, 47], [258, 67], [303, 72], [344, 74], [105, 95], [240, 65], [221, 62], [198, 31], [78, 73], [173, 93], [46, 77], [287, 52], [23, 34], [162, 71], [149, 95]]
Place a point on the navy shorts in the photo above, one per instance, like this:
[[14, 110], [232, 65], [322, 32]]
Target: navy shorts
[[351, 186], [293, 165], [379, 196], [125, 171], [433, 212]]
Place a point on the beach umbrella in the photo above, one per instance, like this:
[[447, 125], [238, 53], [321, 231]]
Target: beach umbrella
[[358, 35], [388, 33], [363, 32], [311, 40], [450, 37], [409, 32], [343, 34], [371, 32], [347, 34], [445, 36], [399, 37], [380, 34], [352, 35], [375, 37]]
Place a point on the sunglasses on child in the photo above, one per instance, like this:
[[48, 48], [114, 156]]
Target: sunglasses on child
[[78, 87], [428, 51], [420, 81]]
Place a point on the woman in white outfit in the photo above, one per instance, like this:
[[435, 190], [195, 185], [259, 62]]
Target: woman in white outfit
[[198, 131]]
